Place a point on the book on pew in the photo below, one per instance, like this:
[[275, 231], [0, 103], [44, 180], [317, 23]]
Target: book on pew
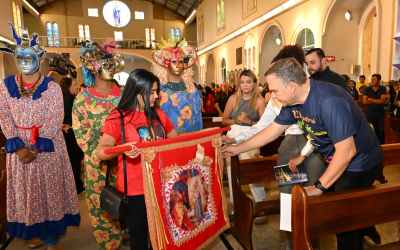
[[284, 176]]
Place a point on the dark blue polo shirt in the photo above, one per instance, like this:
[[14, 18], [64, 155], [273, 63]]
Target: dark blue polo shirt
[[329, 115], [375, 109]]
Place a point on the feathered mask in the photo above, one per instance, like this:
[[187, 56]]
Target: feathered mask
[[175, 56], [26, 50], [100, 60]]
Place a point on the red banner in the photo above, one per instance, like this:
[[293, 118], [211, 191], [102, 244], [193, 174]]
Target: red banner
[[183, 190]]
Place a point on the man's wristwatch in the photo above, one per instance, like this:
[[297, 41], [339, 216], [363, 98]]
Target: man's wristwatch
[[318, 185]]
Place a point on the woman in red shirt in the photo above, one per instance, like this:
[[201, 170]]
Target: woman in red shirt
[[143, 121]]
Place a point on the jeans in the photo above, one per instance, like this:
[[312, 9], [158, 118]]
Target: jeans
[[378, 122], [353, 240]]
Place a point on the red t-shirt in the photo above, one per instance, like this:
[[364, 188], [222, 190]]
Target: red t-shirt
[[136, 129]]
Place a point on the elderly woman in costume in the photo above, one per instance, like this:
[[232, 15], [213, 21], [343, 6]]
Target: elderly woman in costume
[[41, 196], [180, 99], [91, 107]]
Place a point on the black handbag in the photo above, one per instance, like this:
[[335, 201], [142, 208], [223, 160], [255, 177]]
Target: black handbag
[[111, 200]]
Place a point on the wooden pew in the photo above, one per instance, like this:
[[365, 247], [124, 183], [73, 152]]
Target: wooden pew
[[260, 170], [246, 172], [391, 154], [342, 212], [354, 209]]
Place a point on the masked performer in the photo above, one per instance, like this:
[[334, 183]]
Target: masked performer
[[41, 196], [91, 107], [180, 99]]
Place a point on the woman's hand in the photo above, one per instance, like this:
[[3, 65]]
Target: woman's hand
[[134, 152]]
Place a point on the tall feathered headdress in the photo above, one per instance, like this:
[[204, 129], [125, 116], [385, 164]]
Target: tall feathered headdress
[[171, 49], [23, 42]]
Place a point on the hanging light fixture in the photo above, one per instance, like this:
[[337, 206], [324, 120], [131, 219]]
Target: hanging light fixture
[[348, 16]]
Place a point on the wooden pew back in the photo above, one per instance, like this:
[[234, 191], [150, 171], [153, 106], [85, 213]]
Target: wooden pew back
[[345, 211], [342, 211]]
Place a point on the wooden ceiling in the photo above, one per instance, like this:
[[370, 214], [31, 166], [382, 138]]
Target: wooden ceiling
[[181, 7]]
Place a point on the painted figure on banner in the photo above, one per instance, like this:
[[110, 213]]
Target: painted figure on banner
[[180, 99]]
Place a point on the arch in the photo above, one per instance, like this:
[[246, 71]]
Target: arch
[[335, 25], [210, 69], [305, 38], [299, 29], [266, 28], [269, 46], [373, 5]]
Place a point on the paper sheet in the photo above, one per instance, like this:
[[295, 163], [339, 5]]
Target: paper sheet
[[286, 212]]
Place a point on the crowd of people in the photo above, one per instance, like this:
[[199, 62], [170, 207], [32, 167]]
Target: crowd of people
[[332, 129]]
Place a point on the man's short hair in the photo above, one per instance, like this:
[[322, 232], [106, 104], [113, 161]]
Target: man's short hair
[[319, 51], [362, 76], [289, 70], [291, 51], [377, 76]]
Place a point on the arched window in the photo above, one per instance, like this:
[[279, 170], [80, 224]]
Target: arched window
[[223, 70], [250, 53], [305, 39], [53, 34], [175, 33], [84, 32]]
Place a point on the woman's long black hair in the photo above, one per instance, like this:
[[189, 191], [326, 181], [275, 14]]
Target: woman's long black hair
[[140, 83]]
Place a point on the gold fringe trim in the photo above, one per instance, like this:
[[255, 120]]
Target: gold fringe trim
[[158, 236]]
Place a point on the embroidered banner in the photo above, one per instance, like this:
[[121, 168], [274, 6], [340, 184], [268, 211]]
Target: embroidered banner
[[183, 190]]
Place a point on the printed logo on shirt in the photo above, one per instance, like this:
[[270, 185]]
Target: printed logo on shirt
[[144, 133], [298, 116], [304, 123]]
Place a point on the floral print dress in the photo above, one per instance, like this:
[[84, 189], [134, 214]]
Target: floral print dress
[[89, 113], [41, 196]]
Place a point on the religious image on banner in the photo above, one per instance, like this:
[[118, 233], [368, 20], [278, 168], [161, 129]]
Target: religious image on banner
[[183, 190]]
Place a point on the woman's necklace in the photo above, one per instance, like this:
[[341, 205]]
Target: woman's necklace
[[27, 89]]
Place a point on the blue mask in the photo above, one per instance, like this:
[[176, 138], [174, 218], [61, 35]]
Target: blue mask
[[27, 60], [27, 52]]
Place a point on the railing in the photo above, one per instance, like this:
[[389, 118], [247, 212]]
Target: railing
[[74, 42]]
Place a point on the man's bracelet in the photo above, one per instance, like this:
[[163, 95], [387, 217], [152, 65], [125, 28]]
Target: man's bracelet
[[318, 185]]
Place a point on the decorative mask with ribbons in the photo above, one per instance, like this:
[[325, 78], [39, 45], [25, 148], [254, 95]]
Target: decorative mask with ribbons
[[176, 56], [27, 52], [99, 60]]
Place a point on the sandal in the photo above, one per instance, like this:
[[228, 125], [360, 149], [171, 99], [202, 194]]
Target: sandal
[[35, 243]]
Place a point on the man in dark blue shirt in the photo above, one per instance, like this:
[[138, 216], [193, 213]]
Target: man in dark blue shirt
[[375, 97], [333, 122]]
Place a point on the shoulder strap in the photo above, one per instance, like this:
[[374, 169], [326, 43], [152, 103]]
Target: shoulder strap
[[123, 140]]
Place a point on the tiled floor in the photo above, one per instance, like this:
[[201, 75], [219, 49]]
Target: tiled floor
[[266, 237]]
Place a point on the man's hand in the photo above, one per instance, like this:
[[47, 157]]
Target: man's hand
[[293, 163], [26, 155], [229, 151], [313, 191]]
